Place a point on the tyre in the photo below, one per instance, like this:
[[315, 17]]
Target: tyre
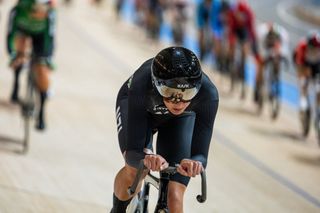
[[317, 127], [274, 100], [305, 121], [27, 110], [274, 108], [258, 98], [318, 131]]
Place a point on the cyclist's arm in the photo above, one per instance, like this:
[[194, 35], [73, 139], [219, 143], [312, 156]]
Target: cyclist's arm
[[11, 31], [206, 114], [251, 25], [138, 129], [50, 31]]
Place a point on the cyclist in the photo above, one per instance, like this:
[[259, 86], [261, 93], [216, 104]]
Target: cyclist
[[242, 32], [179, 20], [203, 24], [307, 60], [118, 7], [274, 40], [154, 18], [168, 94], [32, 21], [219, 25]]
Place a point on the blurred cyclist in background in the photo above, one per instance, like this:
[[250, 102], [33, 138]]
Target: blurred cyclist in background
[[171, 95], [118, 7], [203, 15], [275, 46], [220, 28], [140, 7], [154, 18], [179, 19], [274, 40], [307, 60], [242, 33], [32, 22]]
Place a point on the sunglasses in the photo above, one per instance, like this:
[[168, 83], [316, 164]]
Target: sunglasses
[[176, 100]]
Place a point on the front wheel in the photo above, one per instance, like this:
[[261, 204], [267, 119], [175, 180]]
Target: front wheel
[[274, 100], [27, 114], [317, 126], [318, 131], [139, 203], [134, 205], [27, 110], [275, 106], [26, 135]]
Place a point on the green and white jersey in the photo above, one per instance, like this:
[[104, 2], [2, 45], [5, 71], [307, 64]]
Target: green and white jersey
[[21, 20]]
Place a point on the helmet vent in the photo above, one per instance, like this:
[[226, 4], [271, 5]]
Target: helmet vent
[[180, 62]]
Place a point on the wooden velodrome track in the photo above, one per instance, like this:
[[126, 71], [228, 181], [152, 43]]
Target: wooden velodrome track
[[255, 165]]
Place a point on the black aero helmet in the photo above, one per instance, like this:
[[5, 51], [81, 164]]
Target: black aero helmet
[[176, 73]]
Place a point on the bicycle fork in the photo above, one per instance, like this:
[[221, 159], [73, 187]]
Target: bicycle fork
[[162, 206]]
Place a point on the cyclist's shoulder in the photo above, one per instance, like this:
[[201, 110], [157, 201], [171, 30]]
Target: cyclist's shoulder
[[208, 89], [144, 68], [142, 76]]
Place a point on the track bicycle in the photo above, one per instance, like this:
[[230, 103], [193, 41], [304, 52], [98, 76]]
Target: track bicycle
[[27, 103], [237, 74], [306, 108], [270, 88]]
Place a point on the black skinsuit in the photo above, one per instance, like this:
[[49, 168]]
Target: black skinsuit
[[141, 112]]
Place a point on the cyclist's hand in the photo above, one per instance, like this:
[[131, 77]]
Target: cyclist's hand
[[16, 60], [155, 162], [190, 168]]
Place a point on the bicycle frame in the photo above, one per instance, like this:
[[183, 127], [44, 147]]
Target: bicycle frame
[[28, 105], [273, 83], [269, 84]]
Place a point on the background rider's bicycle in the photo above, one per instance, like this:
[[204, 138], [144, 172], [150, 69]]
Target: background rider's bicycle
[[139, 203], [306, 108], [27, 103], [270, 88], [237, 74]]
